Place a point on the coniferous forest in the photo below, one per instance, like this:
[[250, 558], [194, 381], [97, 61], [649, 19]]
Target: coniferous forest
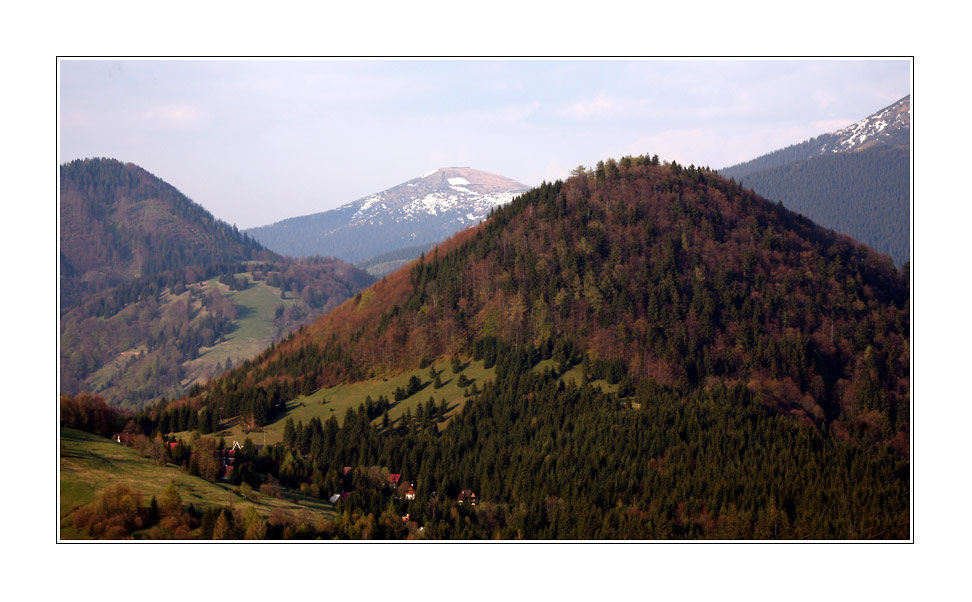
[[761, 366], [865, 194]]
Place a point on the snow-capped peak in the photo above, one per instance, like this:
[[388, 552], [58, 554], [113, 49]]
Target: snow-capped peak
[[458, 192]]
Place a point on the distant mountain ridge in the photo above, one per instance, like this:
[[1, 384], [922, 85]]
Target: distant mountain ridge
[[889, 127], [386, 263], [420, 211], [856, 180]]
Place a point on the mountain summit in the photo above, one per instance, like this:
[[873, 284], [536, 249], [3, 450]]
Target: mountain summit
[[422, 210]]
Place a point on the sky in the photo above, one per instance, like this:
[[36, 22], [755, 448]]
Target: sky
[[258, 141]]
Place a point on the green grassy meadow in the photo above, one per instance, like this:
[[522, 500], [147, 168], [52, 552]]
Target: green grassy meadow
[[90, 464], [253, 330]]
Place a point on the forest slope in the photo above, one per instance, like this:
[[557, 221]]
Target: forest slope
[[674, 273], [864, 194]]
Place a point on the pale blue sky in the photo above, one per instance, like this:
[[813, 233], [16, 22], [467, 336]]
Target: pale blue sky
[[259, 141]]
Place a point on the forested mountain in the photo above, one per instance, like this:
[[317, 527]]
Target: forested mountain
[[157, 295], [421, 211], [856, 180], [761, 365], [118, 223]]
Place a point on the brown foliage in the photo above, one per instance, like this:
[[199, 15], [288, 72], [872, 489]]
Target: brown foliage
[[114, 515]]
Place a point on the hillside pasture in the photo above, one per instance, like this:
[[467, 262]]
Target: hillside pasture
[[252, 331], [90, 464]]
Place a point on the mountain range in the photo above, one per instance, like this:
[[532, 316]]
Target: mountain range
[[856, 180], [421, 211], [642, 351]]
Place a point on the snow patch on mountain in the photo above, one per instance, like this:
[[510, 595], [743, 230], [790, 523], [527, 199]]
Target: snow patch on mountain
[[426, 209], [871, 129], [365, 207]]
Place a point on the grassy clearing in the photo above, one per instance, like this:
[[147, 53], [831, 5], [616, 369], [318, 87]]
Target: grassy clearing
[[91, 464], [340, 398], [253, 330], [576, 374], [257, 304]]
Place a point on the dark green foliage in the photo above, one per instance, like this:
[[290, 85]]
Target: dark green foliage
[[549, 461]]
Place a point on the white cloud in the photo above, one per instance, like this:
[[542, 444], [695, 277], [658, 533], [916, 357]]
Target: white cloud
[[180, 115], [508, 114], [600, 106]]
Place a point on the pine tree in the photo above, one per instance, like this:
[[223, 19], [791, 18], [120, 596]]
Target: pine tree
[[290, 433], [208, 523]]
